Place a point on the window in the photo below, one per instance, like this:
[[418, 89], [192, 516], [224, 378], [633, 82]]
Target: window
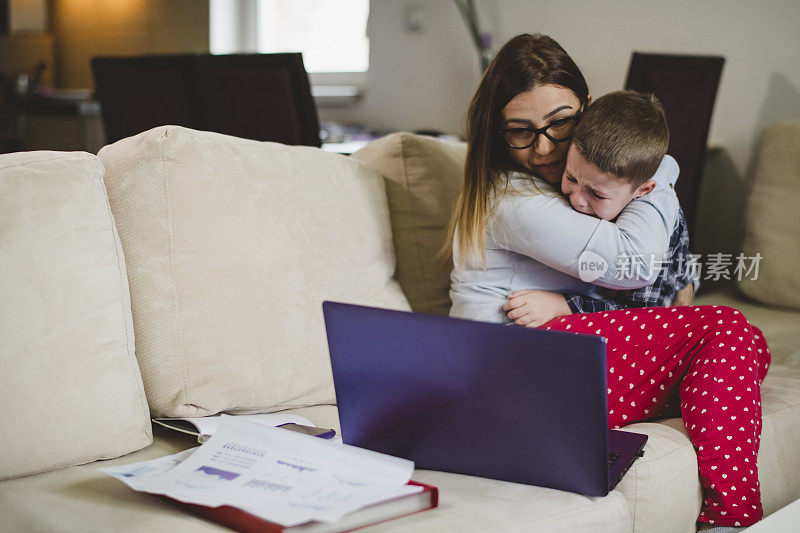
[[331, 34]]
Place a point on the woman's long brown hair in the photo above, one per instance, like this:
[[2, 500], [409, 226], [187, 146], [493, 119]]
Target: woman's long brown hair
[[523, 63]]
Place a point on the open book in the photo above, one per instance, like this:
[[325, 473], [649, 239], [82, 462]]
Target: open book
[[254, 477], [204, 427]]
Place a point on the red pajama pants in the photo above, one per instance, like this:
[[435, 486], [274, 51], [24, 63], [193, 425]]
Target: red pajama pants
[[705, 363]]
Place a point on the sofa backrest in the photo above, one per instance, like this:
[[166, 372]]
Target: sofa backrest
[[70, 388], [423, 178], [772, 219], [231, 247]]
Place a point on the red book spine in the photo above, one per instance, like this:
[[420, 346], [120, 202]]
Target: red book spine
[[244, 522]]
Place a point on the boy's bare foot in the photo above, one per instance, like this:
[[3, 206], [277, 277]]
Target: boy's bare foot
[[684, 297]]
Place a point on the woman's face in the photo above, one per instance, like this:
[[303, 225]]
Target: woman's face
[[538, 108]]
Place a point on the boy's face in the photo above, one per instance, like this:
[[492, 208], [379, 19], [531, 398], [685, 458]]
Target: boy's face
[[594, 192]]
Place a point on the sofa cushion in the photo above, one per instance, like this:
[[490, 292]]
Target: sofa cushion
[[82, 498], [423, 178], [670, 460], [663, 489], [778, 325], [661, 493], [70, 388], [232, 245], [772, 218]]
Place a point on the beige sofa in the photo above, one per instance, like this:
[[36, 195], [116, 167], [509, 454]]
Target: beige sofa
[[202, 294]]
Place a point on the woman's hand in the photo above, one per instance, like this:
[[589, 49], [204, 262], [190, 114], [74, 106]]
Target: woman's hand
[[684, 296], [532, 308]]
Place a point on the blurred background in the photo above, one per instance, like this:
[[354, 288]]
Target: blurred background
[[377, 66]]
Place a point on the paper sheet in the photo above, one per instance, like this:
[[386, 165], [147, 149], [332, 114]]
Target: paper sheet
[[285, 477]]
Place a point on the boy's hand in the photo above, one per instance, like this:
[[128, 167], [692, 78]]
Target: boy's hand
[[532, 308], [684, 296]]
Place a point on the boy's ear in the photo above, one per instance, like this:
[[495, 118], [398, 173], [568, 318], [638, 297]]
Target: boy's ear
[[588, 100], [645, 188]]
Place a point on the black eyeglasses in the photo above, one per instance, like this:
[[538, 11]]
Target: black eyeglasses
[[557, 131]]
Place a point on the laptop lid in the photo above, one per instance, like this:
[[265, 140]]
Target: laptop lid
[[509, 403]]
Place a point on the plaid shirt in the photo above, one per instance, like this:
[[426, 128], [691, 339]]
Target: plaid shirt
[[673, 277]]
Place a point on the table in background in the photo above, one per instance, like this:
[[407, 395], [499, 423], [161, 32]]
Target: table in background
[[783, 520], [63, 120]]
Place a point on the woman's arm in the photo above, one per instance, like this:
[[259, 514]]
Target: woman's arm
[[547, 229]]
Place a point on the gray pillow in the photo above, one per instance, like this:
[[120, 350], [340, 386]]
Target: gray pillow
[[772, 219]]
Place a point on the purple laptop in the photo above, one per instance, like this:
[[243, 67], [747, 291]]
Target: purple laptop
[[510, 403]]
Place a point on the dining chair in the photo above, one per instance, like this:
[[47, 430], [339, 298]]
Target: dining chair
[[265, 97], [139, 93], [687, 86]]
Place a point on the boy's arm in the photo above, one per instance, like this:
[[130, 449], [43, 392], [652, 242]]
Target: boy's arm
[[530, 224], [673, 286], [532, 308], [673, 275]]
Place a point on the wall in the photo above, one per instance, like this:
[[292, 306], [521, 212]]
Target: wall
[[27, 16], [415, 81], [87, 28], [426, 80], [21, 52], [28, 41]]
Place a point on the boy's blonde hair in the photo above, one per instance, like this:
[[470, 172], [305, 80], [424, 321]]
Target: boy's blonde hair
[[624, 133]]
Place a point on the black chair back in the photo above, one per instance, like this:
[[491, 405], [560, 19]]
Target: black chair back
[[140, 93], [266, 97], [687, 88]]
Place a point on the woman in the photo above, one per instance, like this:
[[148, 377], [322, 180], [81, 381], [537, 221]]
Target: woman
[[512, 230]]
